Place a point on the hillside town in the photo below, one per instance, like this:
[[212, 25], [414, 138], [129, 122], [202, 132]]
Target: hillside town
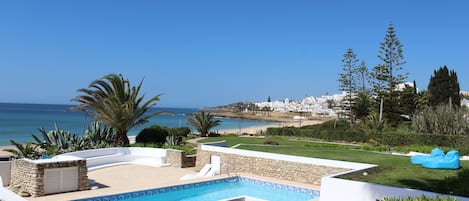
[[325, 106]]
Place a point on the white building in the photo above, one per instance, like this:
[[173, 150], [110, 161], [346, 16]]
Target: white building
[[317, 105]]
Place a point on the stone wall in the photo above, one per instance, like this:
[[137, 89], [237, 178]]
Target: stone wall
[[27, 176], [177, 158], [280, 169]]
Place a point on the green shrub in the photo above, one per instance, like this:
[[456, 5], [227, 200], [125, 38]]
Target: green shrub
[[212, 134], [443, 119], [150, 145], [271, 142], [333, 130], [186, 150], [459, 142], [421, 198], [180, 132], [403, 136], [380, 148], [153, 134]]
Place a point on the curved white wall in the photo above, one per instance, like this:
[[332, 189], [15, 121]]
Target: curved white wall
[[99, 158]]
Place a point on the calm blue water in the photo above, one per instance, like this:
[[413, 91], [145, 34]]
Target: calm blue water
[[218, 191], [19, 121]]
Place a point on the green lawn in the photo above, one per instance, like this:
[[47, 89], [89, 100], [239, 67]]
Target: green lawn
[[394, 170]]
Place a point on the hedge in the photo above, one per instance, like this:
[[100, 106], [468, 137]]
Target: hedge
[[349, 135], [343, 132]]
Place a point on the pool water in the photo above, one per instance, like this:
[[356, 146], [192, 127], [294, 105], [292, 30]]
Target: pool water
[[219, 190]]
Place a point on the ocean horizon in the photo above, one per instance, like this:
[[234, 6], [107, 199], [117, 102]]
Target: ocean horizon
[[18, 121]]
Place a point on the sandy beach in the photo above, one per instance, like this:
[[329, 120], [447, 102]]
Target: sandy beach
[[248, 130], [258, 129]]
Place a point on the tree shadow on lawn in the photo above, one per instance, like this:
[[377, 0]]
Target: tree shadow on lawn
[[455, 185]]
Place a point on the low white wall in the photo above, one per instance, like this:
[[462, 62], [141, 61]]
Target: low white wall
[[7, 195], [100, 158], [5, 170], [297, 159], [362, 191]]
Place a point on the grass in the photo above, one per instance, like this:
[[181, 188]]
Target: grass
[[393, 170]]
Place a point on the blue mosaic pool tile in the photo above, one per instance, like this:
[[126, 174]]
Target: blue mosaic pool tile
[[201, 184]]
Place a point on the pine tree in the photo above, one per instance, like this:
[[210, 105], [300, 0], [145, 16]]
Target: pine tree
[[408, 99], [386, 76], [348, 80], [362, 76], [391, 54], [444, 87], [378, 80]]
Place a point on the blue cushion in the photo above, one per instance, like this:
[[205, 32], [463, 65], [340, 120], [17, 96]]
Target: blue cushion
[[436, 153], [450, 161]]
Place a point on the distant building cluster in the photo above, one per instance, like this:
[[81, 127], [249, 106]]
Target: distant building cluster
[[326, 105], [319, 105]]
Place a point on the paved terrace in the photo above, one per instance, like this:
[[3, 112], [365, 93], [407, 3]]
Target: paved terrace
[[128, 178]]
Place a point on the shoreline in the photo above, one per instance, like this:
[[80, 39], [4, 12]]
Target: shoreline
[[252, 130], [257, 129]]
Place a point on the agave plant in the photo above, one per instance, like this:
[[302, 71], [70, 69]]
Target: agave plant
[[98, 136], [172, 140], [59, 141], [24, 151]]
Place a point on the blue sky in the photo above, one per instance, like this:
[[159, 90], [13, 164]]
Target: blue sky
[[208, 53]]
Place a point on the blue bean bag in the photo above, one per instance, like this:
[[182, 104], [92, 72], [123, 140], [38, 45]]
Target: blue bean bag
[[450, 161], [436, 153]]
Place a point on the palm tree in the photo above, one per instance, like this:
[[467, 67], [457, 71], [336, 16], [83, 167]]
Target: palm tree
[[203, 122], [24, 151], [362, 107], [114, 102]]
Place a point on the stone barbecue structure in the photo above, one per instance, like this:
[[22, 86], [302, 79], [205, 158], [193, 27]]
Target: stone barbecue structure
[[29, 176]]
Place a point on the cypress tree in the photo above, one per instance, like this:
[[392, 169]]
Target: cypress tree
[[455, 90], [444, 87]]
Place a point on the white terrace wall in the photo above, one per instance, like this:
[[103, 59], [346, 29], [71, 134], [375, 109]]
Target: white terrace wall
[[5, 169], [362, 191], [292, 168]]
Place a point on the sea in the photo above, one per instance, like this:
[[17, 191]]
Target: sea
[[19, 121]]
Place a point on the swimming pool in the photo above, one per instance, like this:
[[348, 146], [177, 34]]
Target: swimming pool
[[219, 189]]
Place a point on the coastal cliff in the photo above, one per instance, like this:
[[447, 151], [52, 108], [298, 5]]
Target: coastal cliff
[[286, 117]]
